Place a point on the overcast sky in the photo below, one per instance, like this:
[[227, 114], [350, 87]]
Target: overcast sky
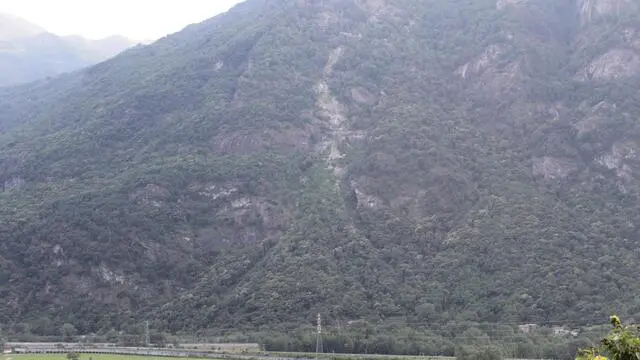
[[95, 19]]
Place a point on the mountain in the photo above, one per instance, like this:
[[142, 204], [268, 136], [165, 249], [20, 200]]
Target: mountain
[[13, 28], [102, 49], [28, 52], [425, 162]]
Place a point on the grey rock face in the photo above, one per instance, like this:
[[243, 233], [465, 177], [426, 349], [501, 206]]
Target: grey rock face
[[614, 65]]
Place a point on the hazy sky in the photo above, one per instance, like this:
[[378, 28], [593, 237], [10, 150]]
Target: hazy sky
[[136, 19]]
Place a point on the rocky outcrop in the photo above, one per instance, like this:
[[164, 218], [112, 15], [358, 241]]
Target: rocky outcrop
[[110, 276], [331, 111], [363, 96], [631, 37], [371, 5], [551, 168], [244, 220], [365, 200], [326, 19], [377, 9], [151, 195], [591, 9], [619, 159], [503, 4], [594, 117], [489, 71], [483, 62], [14, 183], [615, 64], [214, 191]]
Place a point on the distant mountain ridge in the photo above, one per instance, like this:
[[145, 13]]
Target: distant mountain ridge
[[13, 28], [28, 52]]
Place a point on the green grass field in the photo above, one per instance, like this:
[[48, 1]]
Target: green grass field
[[82, 357]]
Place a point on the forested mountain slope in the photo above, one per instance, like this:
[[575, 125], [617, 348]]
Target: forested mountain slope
[[28, 52], [427, 160]]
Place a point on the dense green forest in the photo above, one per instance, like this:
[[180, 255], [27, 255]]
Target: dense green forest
[[403, 164]]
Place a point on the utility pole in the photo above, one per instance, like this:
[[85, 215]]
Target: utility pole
[[147, 340], [319, 337]]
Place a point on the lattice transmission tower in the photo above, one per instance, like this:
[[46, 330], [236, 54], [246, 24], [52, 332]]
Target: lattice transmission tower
[[319, 337]]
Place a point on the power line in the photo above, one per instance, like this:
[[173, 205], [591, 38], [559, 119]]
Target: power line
[[595, 321]]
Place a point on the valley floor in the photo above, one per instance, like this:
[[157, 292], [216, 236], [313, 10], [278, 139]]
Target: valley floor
[[82, 357]]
